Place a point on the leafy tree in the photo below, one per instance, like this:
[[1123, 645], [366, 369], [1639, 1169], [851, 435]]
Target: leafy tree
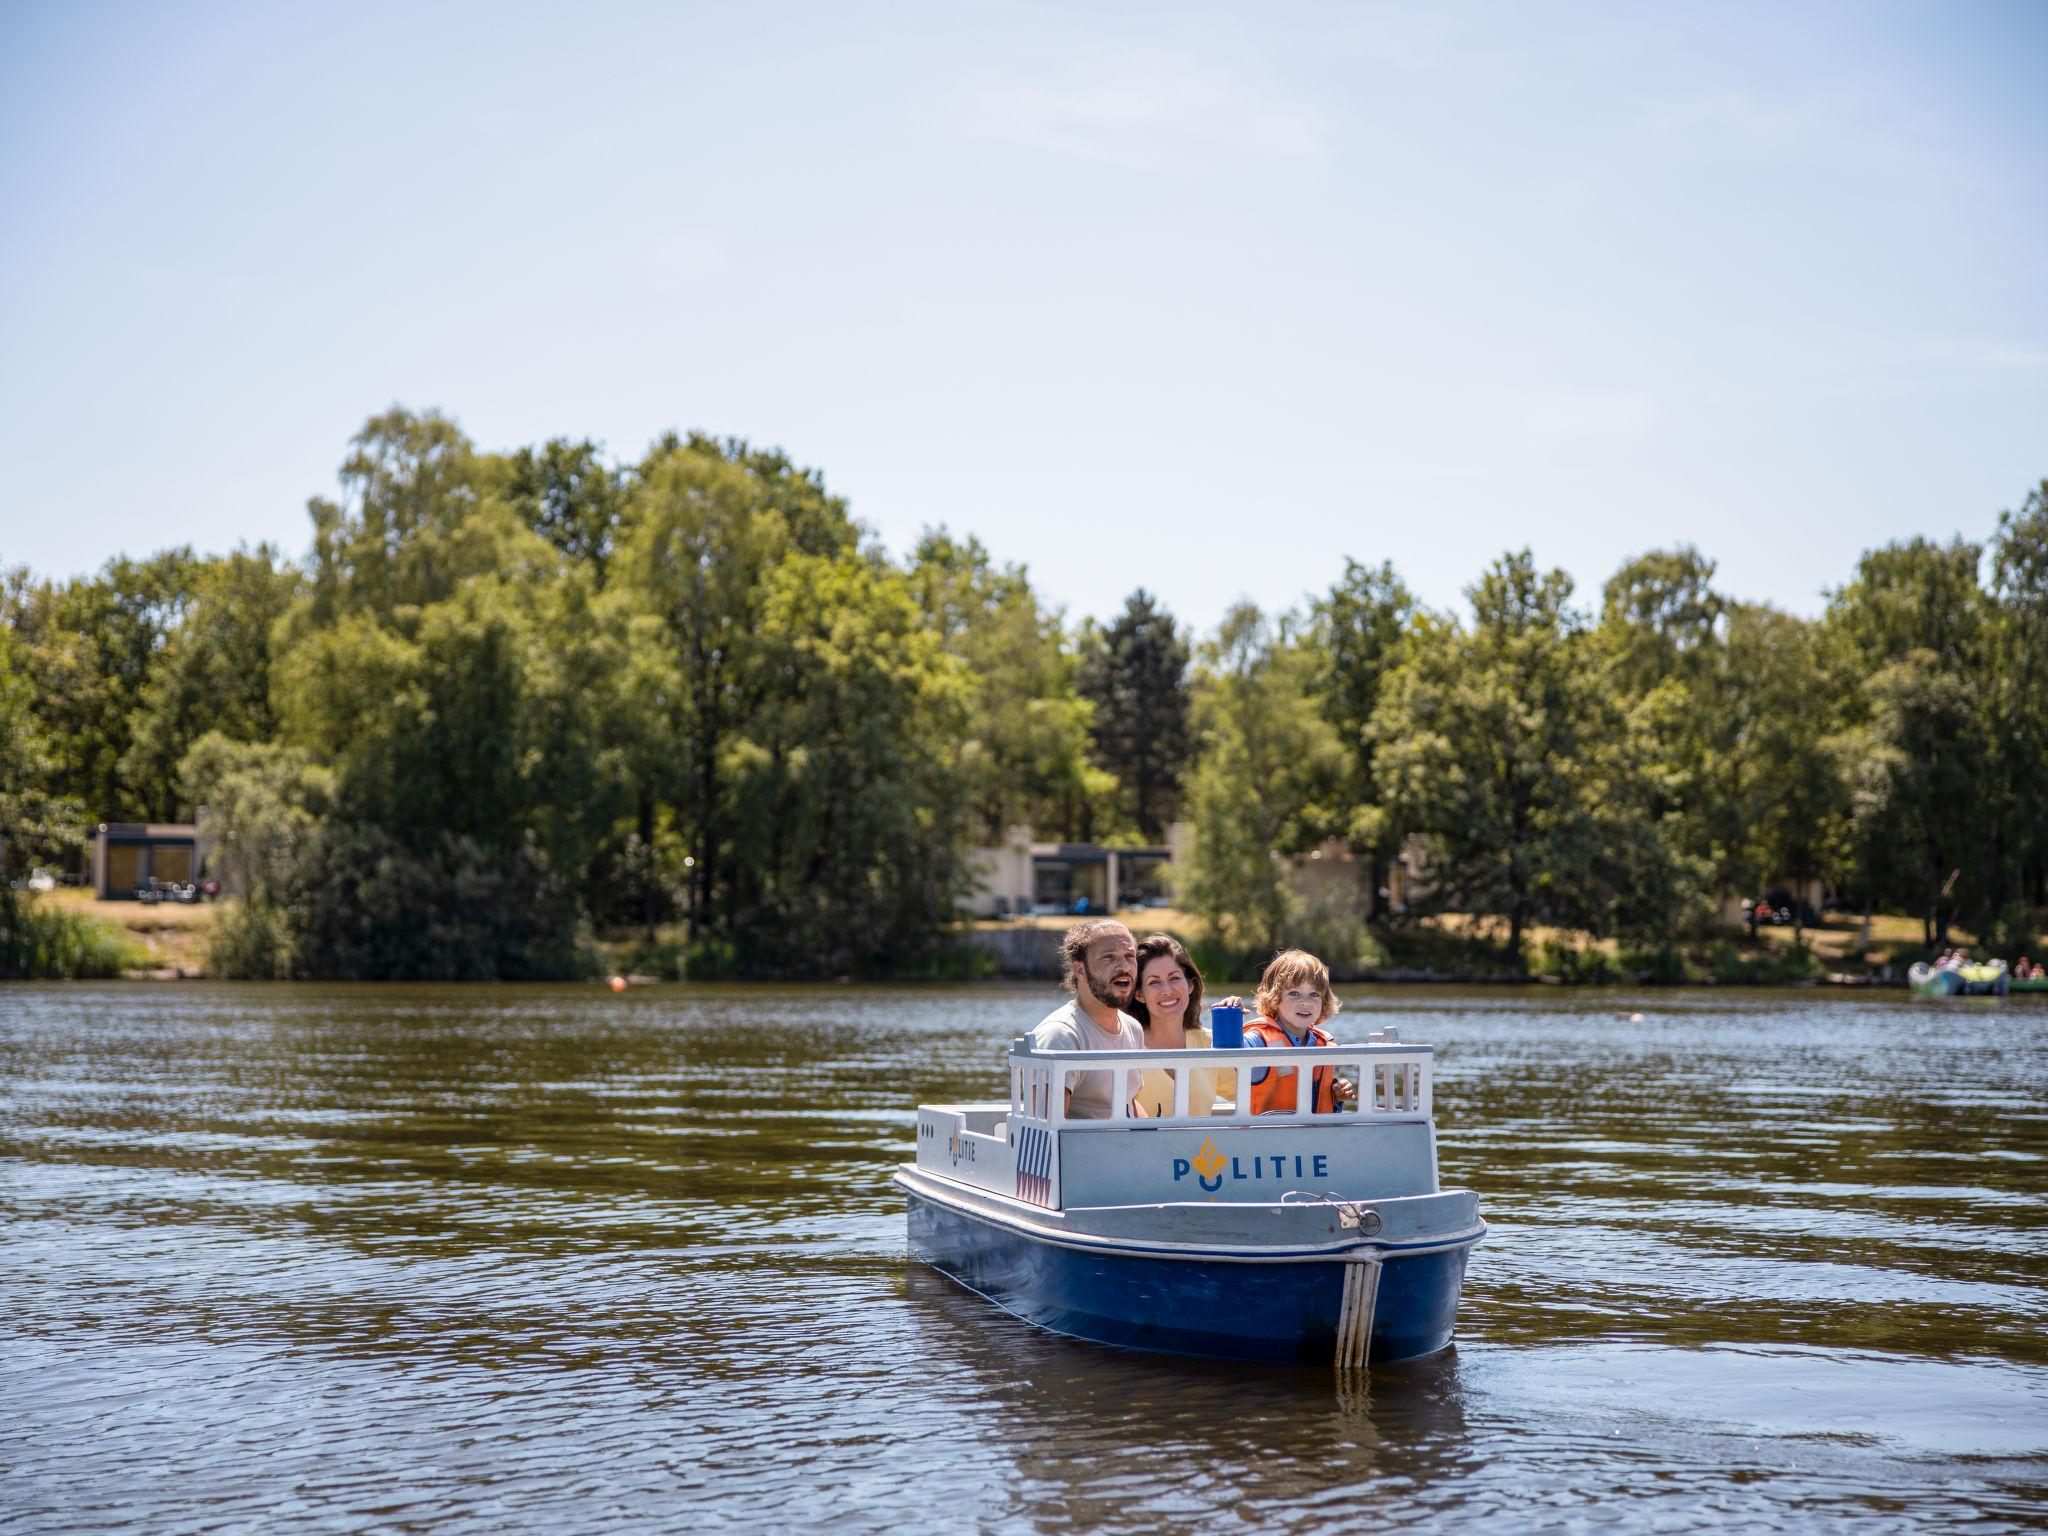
[[704, 526], [2018, 710], [402, 535], [1663, 613], [34, 824], [1910, 628], [1266, 784], [846, 800], [1023, 753], [1136, 677], [1913, 778], [1780, 800], [366, 906], [1661, 644], [89, 647], [265, 802], [212, 673], [1506, 749], [699, 543], [565, 493], [1357, 635]]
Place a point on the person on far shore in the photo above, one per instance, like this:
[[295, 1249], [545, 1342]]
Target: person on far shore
[[1101, 968], [1168, 1007], [1295, 1001]]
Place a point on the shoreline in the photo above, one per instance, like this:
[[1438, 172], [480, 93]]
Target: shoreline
[[1423, 977]]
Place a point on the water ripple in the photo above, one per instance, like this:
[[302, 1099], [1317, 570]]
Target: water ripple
[[499, 1259]]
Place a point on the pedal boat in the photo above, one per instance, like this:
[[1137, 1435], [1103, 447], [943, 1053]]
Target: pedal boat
[[1989, 979], [1287, 1237]]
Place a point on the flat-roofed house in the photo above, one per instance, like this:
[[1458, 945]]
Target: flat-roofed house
[[129, 854]]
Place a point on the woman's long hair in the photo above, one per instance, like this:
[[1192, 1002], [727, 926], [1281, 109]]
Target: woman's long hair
[[1152, 949]]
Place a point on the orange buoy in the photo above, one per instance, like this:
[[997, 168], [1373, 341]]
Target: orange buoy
[[618, 983]]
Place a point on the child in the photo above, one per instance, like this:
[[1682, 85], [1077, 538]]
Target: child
[[1294, 1000]]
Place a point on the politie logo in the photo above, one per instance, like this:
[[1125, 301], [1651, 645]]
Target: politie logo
[[1210, 1167]]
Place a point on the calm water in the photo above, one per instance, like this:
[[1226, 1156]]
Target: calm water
[[519, 1260]]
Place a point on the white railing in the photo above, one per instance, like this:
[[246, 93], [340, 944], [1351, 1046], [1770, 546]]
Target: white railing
[[1392, 1080]]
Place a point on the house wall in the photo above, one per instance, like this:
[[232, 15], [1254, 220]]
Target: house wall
[[1002, 872]]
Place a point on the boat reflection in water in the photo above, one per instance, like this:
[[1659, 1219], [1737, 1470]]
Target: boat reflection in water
[[1290, 1237], [1068, 1416]]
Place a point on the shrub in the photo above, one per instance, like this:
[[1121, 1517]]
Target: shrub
[[709, 959], [361, 905], [1663, 963], [1428, 947], [1588, 966], [252, 941], [2012, 931], [1727, 961], [43, 942], [1328, 924]]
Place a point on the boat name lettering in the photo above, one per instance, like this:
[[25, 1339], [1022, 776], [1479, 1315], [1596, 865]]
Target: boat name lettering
[[1209, 1166]]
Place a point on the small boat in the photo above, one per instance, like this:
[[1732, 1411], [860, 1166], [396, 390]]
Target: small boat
[[1289, 1237], [2031, 984], [1987, 980]]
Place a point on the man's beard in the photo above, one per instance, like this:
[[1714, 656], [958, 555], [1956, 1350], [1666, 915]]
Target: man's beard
[[1103, 993]]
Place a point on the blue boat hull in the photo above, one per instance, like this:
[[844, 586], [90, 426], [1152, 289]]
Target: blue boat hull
[[1278, 1312]]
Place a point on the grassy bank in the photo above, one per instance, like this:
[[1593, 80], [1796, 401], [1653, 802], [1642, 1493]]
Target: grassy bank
[[163, 938], [44, 938], [86, 936], [1454, 946]]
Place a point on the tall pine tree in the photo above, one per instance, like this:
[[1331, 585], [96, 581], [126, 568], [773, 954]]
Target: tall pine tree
[[1136, 672]]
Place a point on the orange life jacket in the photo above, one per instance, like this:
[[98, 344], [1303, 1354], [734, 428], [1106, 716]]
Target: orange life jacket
[[1276, 1094]]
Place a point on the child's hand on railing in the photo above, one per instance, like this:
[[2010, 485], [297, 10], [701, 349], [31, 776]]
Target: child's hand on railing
[[1342, 1089]]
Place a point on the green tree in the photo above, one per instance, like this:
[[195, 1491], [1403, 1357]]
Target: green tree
[[1779, 800], [704, 525], [1023, 754], [1358, 633], [845, 797], [265, 803], [1135, 674], [1661, 642], [2018, 677], [1505, 747], [1664, 617], [565, 492], [1265, 785], [402, 534], [212, 673], [89, 647], [35, 824], [1910, 632]]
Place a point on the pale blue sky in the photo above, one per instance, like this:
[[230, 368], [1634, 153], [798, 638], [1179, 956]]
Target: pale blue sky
[[1199, 298]]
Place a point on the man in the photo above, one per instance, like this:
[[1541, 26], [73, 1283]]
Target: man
[[1101, 961]]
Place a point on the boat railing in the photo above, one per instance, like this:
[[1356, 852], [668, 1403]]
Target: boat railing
[[1392, 1077]]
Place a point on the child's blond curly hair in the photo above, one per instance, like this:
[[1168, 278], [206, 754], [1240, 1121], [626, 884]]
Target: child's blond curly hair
[[1292, 968]]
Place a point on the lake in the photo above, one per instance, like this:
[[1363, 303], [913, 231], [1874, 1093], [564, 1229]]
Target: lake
[[547, 1259]]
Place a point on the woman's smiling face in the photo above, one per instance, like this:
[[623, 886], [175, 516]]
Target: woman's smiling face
[[1164, 988]]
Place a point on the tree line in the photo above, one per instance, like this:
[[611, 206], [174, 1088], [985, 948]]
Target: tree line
[[505, 698]]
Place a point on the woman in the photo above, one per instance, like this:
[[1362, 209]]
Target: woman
[[1168, 1003]]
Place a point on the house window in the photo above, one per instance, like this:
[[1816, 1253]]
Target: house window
[[124, 866]]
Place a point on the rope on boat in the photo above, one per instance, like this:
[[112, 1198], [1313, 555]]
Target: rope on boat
[[1354, 1317], [1352, 1215]]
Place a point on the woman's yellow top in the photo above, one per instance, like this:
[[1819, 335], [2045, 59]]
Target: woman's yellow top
[[1205, 1085]]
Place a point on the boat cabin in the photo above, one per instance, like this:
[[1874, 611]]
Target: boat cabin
[[1382, 1144]]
